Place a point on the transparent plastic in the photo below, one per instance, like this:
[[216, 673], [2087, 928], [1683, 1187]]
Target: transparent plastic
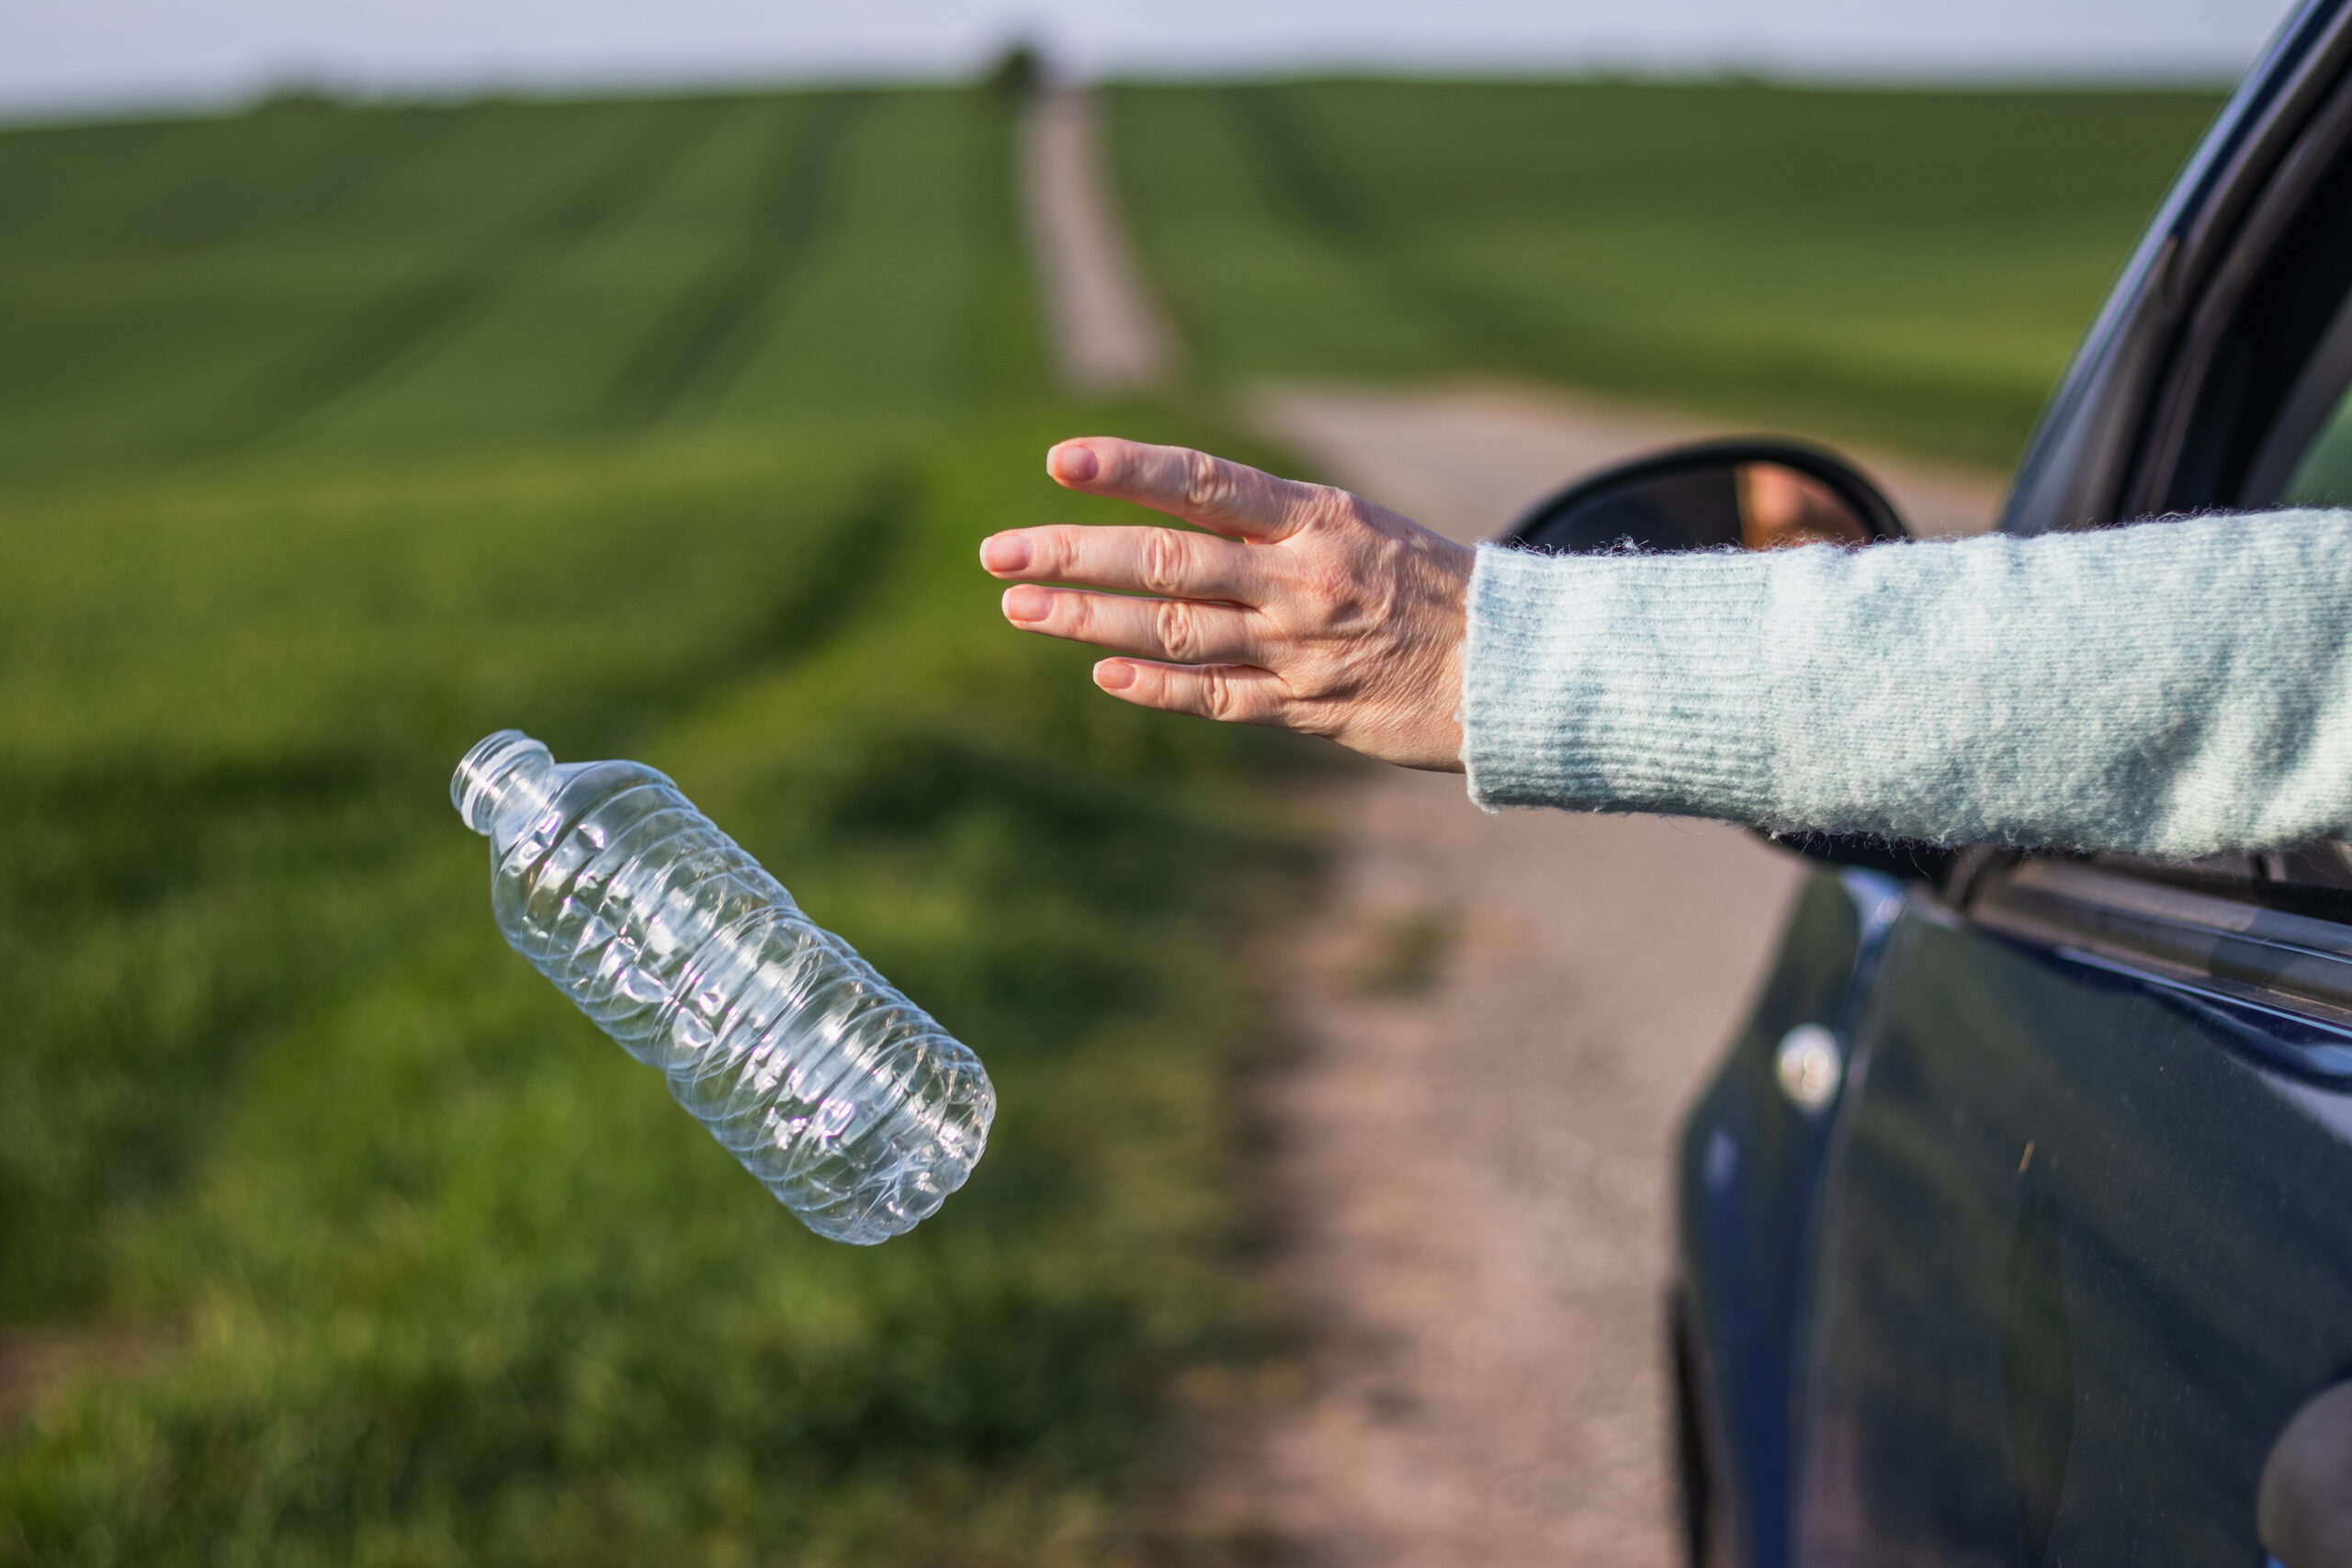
[[843, 1098]]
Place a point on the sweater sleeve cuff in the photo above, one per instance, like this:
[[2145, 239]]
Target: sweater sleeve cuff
[[1617, 684]]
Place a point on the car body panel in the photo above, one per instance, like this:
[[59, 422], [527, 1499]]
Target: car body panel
[[2074, 1242], [2087, 1247], [1748, 1174]]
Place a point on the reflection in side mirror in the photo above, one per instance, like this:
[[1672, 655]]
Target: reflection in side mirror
[[1780, 507], [1756, 495]]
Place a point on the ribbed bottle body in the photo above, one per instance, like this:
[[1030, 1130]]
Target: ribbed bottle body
[[845, 1100]]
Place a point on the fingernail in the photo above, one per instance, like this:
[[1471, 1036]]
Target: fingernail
[[1004, 552], [1026, 604], [1071, 462], [1114, 675]]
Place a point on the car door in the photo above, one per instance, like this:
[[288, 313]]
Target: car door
[[2084, 1243]]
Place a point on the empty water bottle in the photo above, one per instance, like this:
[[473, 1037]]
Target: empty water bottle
[[844, 1099]]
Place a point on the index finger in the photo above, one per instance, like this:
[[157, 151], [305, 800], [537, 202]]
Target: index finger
[[1225, 498]]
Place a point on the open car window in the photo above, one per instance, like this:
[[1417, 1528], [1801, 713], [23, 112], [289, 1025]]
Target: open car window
[[2304, 458], [2322, 471], [2323, 475]]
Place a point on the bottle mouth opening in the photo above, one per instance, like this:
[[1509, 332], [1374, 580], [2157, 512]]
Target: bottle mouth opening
[[494, 773]]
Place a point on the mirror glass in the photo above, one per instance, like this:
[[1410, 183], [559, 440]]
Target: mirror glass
[[1756, 505]]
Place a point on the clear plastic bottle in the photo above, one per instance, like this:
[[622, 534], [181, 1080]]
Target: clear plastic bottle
[[843, 1098]]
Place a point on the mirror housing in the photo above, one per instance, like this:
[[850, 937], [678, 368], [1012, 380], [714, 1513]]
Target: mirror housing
[[1754, 494]]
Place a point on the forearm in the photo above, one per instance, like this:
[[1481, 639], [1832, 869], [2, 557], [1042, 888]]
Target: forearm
[[2174, 689]]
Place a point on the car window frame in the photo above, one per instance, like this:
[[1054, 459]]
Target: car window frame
[[2074, 470], [2252, 333], [2269, 193]]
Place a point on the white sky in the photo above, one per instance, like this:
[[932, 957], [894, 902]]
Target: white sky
[[70, 56]]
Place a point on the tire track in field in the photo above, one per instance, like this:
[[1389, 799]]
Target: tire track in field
[[1303, 179], [697, 344], [23, 198], [393, 326], [343, 156]]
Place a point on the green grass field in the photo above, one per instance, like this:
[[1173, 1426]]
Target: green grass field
[[332, 439], [336, 438], [1908, 268]]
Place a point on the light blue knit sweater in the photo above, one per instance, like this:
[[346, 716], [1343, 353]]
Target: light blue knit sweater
[[2176, 688]]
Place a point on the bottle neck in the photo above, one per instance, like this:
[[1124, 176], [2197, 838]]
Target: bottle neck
[[505, 772]]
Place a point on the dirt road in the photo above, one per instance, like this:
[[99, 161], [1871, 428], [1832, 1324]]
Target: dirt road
[[1498, 1019], [1106, 330]]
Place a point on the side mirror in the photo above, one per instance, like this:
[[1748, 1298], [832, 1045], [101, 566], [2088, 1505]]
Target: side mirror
[[1748, 494]]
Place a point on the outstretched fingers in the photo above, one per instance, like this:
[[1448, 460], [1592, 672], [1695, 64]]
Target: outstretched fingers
[[1223, 497], [1164, 561], [1236, 693], [1179, 629]]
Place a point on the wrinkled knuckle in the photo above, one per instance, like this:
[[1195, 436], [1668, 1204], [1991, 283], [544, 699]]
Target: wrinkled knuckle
[[1166, 558], [1052, 552], [1219, 696], [1178, 628], [1208, 483]]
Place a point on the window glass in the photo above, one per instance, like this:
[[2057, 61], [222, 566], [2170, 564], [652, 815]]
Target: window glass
[[2323, 476]]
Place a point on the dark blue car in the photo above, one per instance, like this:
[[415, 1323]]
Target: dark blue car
[[2016, 1225]]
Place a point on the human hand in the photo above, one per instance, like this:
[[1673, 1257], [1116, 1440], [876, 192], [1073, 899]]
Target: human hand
[[1317, 611]]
